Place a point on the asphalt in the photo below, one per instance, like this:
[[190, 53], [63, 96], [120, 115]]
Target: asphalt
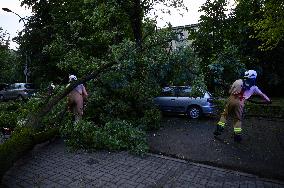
[[52, 165], [261, 151]]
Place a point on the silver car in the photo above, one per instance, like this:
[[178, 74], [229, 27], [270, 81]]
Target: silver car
[[20, 91], [178, 99]]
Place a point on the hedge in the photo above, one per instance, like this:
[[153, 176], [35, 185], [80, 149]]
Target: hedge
[[20, 143]]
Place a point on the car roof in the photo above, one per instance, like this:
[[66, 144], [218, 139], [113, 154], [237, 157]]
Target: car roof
[[169, 87], [21, 83]]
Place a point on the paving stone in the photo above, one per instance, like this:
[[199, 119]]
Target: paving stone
[[214, 184], [231, 185], [54, 166], [141, 186]]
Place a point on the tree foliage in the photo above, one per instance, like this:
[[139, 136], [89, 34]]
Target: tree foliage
[[211, 43], [84, 28], [229, 43], [9, 60], [247, 35], [270, 28], [112, 48]]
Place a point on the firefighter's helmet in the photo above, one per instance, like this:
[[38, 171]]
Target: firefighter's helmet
[[249, 79], [72, 78], [250, 74]]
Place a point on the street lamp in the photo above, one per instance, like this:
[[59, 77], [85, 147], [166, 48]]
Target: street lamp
[[26, 70]]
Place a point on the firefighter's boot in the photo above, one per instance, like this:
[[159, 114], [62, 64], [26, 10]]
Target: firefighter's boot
[[219, 128], [237, 134], [237, 138]]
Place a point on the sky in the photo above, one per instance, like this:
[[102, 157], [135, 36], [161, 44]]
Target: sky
[[10, 22]]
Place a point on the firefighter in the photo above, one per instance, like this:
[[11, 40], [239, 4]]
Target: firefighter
[[240, 91], [75, 99], [51, 88]]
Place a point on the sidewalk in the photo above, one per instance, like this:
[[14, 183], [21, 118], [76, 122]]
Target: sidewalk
[[53, 166]]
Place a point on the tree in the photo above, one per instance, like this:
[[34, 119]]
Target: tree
[[209, 39], [235, 44], [87, 27], [240, 31], [9, 61], [270, 28], [95, 38], [245, 33]]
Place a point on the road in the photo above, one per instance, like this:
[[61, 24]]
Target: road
[[260, 153]]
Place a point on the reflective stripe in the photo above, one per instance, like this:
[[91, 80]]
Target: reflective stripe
[[222, 124], [237, 130]]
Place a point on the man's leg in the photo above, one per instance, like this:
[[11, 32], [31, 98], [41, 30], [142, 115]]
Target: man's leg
[[223, 120], [79, 108], [238, 122]]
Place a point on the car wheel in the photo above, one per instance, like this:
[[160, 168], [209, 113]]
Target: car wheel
[[194, 112]]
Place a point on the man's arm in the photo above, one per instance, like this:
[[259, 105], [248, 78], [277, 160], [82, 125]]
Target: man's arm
[[265, 97], [259, 92], [236, 87], [85, 94]]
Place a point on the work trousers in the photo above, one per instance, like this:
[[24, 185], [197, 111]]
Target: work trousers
[[75, 104], [234, 108]]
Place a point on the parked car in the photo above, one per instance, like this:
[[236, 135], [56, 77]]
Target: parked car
[[20, 91], [179, 99]]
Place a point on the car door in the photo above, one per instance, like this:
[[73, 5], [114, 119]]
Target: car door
[[15, 91], [167, 100], [183, 99], [8, 94]]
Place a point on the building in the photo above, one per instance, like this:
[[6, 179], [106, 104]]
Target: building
[[181, 40]]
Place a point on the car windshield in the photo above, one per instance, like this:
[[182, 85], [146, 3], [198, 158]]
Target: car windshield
[[167, 91], [176, 91], [184, 91]]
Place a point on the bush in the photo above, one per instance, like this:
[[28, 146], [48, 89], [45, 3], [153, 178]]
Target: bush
[[122, 135], [8, 119], [45, 135], [83, 135], [151, 120], [14, 113], [114, 135], [9, 114], [264, 110]]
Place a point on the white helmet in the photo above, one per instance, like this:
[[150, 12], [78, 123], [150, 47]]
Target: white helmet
[[252, 74], [72, 77]]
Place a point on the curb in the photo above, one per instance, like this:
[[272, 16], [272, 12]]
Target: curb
[[217, 168]]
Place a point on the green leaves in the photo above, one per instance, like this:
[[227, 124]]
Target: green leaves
[[10, 64], [114, 135], [270, 28]]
